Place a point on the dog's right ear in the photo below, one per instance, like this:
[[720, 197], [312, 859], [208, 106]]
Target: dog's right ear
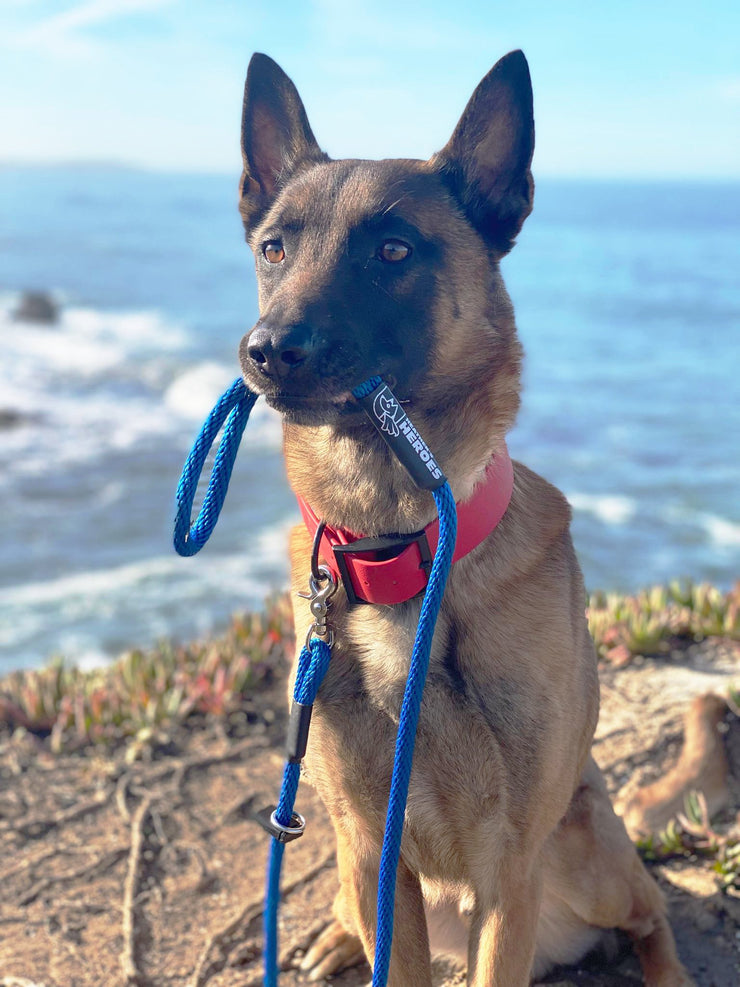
[[276, 136]]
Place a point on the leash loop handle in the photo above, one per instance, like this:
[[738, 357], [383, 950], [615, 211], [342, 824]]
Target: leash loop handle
[[236, 403]]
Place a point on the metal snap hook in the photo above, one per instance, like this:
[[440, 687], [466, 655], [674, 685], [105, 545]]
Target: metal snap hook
[[321, 590]]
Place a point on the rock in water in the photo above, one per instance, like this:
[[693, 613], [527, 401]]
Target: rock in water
[[37, 306]]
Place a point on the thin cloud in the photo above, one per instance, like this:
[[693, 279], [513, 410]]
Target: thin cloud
[[64, 33], [728, 89], [389, 26]]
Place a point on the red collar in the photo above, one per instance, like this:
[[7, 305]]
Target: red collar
[[395, 568]]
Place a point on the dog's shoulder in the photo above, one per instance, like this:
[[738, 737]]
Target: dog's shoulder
[[539, 495], [527, 565], [536, 524]]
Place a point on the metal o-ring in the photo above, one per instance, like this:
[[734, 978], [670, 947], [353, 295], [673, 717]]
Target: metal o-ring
[[291, 832]]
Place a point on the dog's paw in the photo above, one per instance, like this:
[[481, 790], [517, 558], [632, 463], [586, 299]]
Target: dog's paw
[[333, 950]]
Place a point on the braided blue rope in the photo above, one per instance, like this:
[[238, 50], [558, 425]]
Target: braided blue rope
[[367, 387], [406, 736], [237, 403], [312, 666]]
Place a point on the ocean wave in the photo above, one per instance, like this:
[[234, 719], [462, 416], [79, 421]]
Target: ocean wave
[[85, 341], [64, 430], [161, 596], [87, 585], [103, 382], [723, 533], [225, 572], [91, 381], [609, 508], [194, 392]]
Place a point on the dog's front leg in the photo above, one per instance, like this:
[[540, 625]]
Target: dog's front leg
[[356, 914], [410, 958], [503, 927]]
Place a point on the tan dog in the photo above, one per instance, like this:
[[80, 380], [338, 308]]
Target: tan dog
[[392, 268]]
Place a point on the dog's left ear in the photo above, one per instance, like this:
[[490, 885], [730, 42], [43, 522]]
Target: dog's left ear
[[487, 160], [276, 136]]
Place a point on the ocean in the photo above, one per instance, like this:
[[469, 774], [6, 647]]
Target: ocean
[[628, 304]]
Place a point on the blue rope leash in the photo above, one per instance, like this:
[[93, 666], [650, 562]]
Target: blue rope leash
[[237, 403], [312, 665], [406, 736], [313, 660]]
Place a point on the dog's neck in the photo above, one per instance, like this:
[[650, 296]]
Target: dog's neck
[[352, 480]]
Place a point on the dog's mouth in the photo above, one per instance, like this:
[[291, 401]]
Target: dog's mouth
[[316, 409], [323, 402]]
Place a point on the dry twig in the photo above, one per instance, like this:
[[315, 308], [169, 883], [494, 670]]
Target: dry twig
[[133, 976]]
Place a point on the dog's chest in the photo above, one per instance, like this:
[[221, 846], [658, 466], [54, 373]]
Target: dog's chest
[[458, 775]]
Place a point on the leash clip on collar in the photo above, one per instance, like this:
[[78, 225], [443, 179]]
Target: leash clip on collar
[[320, 598]]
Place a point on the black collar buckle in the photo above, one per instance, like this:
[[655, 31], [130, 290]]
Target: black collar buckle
[[384, 547]]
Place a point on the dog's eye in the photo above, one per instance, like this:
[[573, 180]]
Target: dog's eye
[[394, 251], [273, 252]]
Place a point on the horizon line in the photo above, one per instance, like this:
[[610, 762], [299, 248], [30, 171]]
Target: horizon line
[[107, 164]]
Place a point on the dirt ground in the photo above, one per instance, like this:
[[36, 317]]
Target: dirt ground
[[145, 867]]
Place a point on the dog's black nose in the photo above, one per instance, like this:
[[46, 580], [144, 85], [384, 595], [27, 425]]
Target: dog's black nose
[[276, 352]]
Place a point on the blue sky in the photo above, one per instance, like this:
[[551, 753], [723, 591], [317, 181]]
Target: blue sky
[[622, 89]]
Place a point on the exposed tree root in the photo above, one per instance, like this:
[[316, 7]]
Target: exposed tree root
[[38, 826], [183, 769], [133, 975], [104, 863], [216, 954], [131, 783], [29, 866]]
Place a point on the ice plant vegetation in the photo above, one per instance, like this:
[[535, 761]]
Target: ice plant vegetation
[[658, 620], [158, 688], [162, 686]]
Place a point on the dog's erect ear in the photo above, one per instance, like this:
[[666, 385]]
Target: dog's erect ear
[[487, 160], [276, 136]]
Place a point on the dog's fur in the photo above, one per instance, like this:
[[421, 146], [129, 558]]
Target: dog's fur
[[510, 841]]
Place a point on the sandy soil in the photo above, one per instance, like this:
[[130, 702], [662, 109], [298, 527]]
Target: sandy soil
[[144, 865]]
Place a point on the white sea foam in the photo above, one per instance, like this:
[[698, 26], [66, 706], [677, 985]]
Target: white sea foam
[[195, 391], [723, 533], [609, 508], [230, 572], [90, 384], [87, 585], [67, 430], [264, 429], [193, 394], [150, 592], [273, 542], [85, 342], [101, 382]]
